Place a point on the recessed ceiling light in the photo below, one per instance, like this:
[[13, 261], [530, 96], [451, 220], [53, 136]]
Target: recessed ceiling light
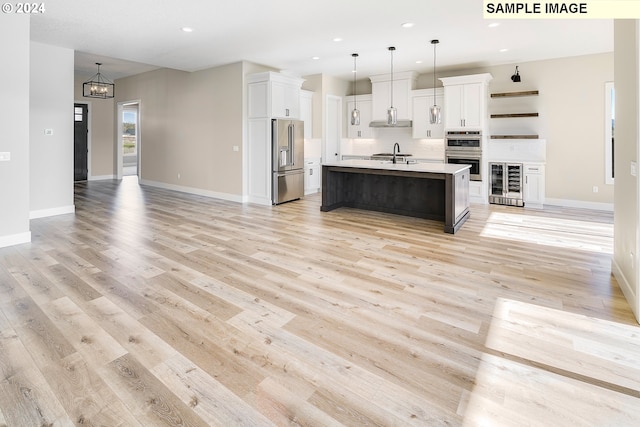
[[493, 25], [337, 39], [503, 50], [418, 62], [407, 25], [187, 29], [315, 58]]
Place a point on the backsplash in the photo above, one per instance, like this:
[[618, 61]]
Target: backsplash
[[386, 138]]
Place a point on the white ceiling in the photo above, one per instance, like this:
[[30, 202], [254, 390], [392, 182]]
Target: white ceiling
[[130, 37]]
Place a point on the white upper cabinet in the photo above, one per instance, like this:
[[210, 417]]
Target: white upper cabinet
[[465, 101], [422, 102], [306, 112], [362, 131], [403, 84], [274, 95]]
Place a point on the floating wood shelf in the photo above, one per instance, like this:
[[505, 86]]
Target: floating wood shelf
[[512, 115], [514, 136], [514, 94]]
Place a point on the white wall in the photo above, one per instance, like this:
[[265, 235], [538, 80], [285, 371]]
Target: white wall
[[189, 125], [14, 130], [626, 214], [51, 107]]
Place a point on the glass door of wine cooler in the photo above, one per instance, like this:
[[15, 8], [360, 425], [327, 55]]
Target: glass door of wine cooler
[[496, 183]]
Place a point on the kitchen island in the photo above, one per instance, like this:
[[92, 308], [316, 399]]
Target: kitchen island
[[424, 190]]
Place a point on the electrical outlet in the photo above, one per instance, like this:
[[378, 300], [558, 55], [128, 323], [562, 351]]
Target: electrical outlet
[[5, 156], [236, 148], [48, 132], [595, 188]]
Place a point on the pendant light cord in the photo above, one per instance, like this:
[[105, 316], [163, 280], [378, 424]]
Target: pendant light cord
[[355, 90], [392, 49], [434, 43]]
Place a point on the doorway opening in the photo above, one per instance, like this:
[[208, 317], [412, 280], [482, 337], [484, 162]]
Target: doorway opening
[[130, 140], [80, 142]]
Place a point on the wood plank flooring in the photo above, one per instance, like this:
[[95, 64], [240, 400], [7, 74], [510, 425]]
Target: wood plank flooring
[[151, 307]]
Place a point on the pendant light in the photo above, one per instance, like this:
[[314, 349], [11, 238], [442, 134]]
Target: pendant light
[[355, 114], [98, 86], [435, 114], [392, 112]]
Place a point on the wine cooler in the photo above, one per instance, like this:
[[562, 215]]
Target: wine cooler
[[505, 184]]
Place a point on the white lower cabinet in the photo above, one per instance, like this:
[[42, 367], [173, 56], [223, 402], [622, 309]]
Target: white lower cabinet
[[311, 176], [476, 193], [534, 183]]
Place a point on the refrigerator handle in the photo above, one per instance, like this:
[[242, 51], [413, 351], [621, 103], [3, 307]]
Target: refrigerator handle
[[291, 145]]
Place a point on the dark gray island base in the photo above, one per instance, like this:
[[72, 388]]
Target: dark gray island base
[[433, 191]]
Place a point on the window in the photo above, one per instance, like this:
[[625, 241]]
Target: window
[[609, 127], [129, 132], [77, 114]]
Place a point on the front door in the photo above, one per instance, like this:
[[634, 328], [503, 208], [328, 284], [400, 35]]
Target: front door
[[80, 144]]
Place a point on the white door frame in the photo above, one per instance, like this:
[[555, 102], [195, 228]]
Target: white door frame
[[119, 154]]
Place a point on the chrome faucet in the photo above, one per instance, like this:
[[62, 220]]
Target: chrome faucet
[[394, 151]]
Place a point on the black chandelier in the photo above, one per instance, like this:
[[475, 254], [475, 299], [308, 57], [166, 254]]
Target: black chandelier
[[98, 86]]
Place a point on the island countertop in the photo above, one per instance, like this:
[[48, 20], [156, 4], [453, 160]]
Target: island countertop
[[443, 168]]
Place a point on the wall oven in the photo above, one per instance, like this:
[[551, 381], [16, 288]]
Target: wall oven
[[465, 148], [471, 158], [463, 140]]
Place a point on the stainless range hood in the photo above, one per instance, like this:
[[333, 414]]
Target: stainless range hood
[[384, 124]]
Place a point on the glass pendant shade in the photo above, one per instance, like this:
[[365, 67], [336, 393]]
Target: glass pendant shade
[[355, 117], [435, 115], [392, 116]]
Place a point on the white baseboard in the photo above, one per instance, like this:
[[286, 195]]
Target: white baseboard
[[628, 291], [192, 190], [101, 177], [15, 239], [580, 204], [43, 213]]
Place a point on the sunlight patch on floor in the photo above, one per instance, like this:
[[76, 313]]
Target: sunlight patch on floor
[[583, 371], [556, 232]]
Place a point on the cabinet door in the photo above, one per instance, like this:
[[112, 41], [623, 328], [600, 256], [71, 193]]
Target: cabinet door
[[534, 183], [422, 127], [285, 100], [453, 107], [381, 100], [362, 130], [472, 105]]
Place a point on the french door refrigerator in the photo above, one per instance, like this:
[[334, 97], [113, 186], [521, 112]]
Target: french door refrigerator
[[287, 143]]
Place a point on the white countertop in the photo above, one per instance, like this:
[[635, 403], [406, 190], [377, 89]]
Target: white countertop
[[445, 168]]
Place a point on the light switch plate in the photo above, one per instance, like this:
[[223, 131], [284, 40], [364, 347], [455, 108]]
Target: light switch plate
[[5, 156], [634, 169]]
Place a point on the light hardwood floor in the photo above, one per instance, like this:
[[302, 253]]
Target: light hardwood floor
[[151, 307]]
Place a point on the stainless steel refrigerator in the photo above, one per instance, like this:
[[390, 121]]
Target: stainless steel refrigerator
[[287, 143]]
